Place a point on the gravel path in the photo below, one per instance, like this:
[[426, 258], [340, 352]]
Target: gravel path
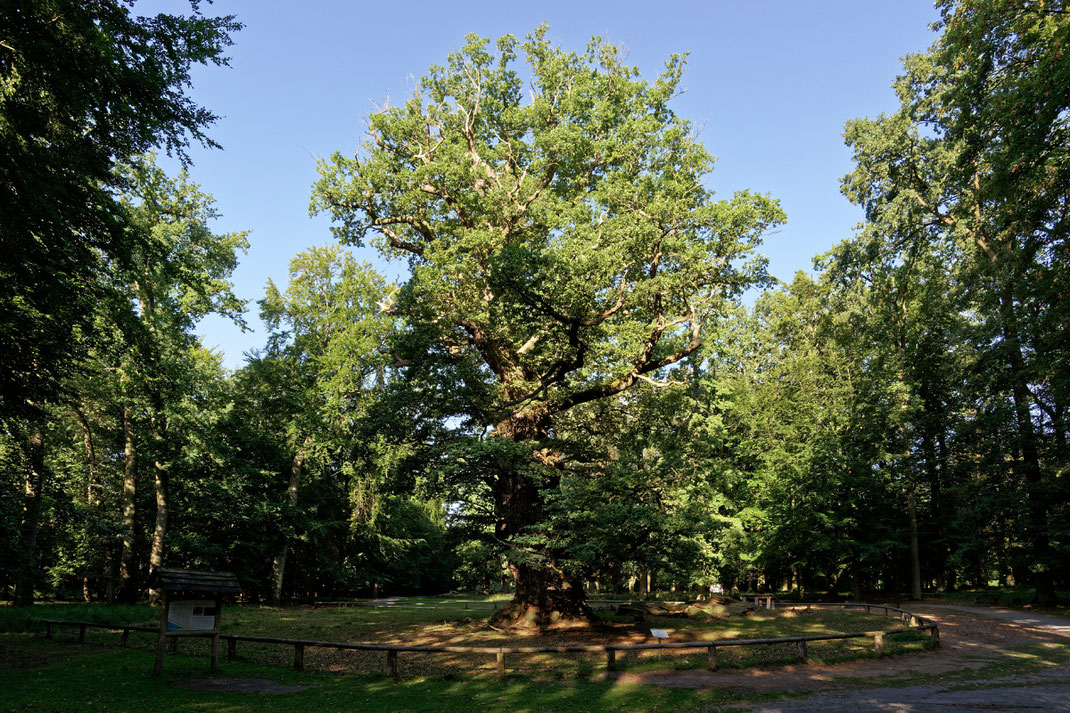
[[1046, 691]]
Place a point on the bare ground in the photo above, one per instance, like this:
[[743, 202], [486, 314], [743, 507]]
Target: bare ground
[[968, 641], [971, 638]]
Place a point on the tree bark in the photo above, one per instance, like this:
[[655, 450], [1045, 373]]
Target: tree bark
[[36, 475], [543, 595], [278, 568], [127, 562], [159, 535], [93, 491], [934, 467]]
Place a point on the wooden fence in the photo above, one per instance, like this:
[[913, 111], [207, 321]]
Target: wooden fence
[[917, 624]]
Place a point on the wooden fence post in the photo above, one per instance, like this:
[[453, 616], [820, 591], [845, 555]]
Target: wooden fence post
[[611, 659], [299, 657], [712, 651], [213, 652], [392, 665], [878, 644], [232, 649], [934, 636], [125, 636], [161, 637], [501, 664], [801, 647]]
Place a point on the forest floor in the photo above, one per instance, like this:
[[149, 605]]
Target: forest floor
[[977, 651]]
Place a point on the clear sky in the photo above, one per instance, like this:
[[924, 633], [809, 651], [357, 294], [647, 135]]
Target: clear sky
[[771, 82]]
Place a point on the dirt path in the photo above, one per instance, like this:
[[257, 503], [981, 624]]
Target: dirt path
[[971, 639], [1049, 691], [1029, 620], [1046, 691]]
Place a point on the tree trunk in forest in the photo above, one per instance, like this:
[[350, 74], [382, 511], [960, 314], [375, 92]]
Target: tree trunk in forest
[[907, 454], [93, 490], [1037, 522], [278, 569], [915, 557], [127, 563], [36, 474], [543, 595], [934, 467], [159, 534]]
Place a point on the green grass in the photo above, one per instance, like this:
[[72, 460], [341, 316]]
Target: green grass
[[453, 626], [48, 677], [19, 619], [118, 681], [61, 675]]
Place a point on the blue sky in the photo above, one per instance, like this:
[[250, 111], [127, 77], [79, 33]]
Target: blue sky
[[771, 83]]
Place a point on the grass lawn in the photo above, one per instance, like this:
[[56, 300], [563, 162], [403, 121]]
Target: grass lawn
[[61, 675]]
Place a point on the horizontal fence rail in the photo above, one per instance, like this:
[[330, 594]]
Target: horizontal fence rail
[[918, 624]]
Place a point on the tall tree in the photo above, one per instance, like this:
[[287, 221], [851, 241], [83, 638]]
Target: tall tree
[[83, 86], [327, 329], [181, 274], [561, 250], [978, 156]]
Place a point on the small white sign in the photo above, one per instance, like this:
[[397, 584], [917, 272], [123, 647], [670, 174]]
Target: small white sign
[[659, 633], [191, 614]]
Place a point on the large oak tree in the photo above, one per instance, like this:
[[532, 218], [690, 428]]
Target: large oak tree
[[562, 247]]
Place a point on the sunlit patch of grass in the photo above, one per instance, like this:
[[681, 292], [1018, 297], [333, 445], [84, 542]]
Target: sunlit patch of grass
[[445, 627], [118, 681]]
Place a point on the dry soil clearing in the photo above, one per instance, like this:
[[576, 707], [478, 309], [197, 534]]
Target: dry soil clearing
[[971, 638]]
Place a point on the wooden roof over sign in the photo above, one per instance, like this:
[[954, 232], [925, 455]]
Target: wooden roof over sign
[[190, 580]]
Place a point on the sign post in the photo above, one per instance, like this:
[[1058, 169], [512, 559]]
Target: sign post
[[191, 603], [660, 635]]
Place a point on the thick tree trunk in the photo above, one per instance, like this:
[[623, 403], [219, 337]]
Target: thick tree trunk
[[278, 569], [159, 534], [127, 562], [36, 474], [543, 595]]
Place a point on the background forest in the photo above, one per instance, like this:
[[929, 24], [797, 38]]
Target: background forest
[[587, 379]]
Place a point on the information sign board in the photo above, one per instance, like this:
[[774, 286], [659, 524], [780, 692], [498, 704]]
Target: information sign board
[[191, 615]]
